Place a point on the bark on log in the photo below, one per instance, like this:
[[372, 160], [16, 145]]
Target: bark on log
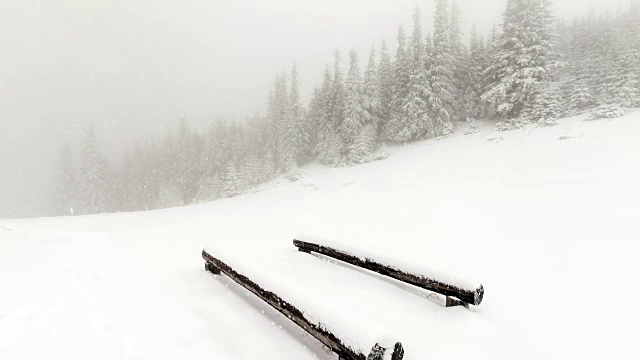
[[294, 314], [473, 297]]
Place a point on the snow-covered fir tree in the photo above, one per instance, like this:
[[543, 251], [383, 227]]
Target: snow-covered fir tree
[[65, 183], [355, 114], [473, 105], [326, 131], [442, 75], [297, 140], [460, 59], [393, 130], [93, 182], [417, 121], [337, 106], [371, 98], [524, 56], [186, 171], [386, 82]]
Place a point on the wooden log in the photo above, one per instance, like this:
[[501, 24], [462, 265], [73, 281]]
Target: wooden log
[[473, 297], [294, 314]]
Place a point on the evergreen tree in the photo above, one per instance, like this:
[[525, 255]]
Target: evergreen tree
[[186, 169], [65, 183], [354, 115], [93, 192], [544, 106], [232, 182], [402, 70], [326, 130], [386, 83], [337, 106], [524, 57], [168, 160], [460, 64], [371, 98], [416, 122], [442, 74], [475, 80], [297, 133], [312, 122]]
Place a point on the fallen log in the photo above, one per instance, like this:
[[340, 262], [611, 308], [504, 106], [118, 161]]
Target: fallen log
[[336, 345], [463, 296]]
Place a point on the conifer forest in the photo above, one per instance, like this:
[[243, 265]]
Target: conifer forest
[[533, 68]]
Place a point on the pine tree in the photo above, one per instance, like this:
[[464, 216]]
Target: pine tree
[[371, 94], [544, 107], [337, 106], [231, 180], [393, 130], [386, 82], [524, 57], [65, 183], [326, 130], [442, 74], [185, 170], [460, 64], [92, 196], [297, 138], [475, 80], [354, 115], [577, 87], [313, 121], [169, 195], [148, 169], [286, 150], [417, 122]]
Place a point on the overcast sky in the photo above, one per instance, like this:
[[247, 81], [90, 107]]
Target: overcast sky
[[129, 67]]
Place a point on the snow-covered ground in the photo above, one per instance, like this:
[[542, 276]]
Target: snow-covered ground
[[545, 218]]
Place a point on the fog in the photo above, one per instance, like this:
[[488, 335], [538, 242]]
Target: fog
[[129, 68]]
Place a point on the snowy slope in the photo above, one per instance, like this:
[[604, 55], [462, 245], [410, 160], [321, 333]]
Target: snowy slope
[[545, 218]]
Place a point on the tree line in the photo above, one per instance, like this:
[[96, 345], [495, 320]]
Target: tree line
[[532, 69]]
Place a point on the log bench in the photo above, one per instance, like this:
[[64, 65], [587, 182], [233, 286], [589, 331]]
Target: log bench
[[295, 314], [454, 295]]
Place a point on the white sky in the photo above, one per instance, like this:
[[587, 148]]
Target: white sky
[[130, 67]]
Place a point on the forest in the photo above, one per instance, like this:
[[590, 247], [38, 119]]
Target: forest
[[532, 69]]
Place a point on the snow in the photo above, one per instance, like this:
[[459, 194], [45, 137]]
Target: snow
[[546, 218]]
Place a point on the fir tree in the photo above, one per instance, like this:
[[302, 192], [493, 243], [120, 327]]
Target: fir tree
[[524, 57], [92, 196], [185, 169], [297, 138], [65, 183], [476, 65], [326, 130], [312, 122], [394, 127], [459, 64], [416, 122], [337, 106], [442, 74], [371, 94], [386, 82], [354, 115]]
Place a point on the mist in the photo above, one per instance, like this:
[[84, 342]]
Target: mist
[[129, 69]]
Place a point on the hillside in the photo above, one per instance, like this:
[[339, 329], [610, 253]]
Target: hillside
[[545, 218]]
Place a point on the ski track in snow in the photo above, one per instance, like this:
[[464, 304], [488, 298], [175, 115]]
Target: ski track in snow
[[545, 218]]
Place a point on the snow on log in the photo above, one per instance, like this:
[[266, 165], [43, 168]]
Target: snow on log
[[331, 335], [466, 292]]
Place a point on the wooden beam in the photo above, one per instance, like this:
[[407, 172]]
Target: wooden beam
[[473, 297], [294, 314]]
